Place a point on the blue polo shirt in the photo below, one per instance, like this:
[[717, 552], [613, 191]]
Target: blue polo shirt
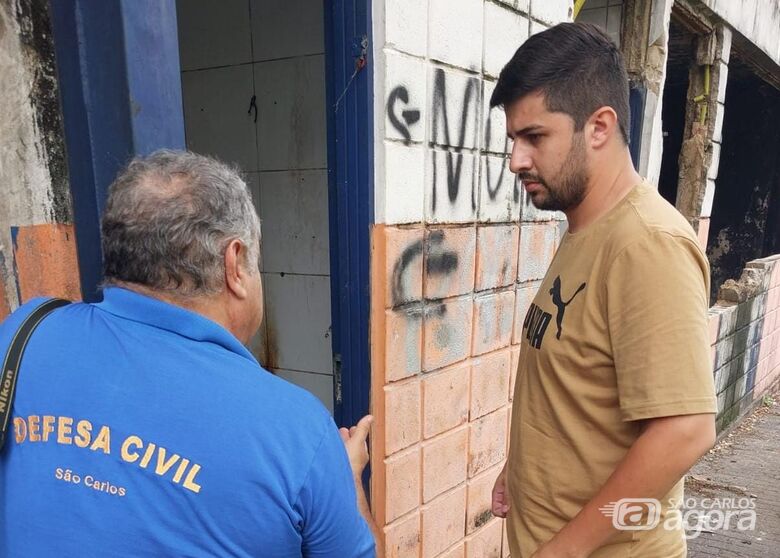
[[143, 429]]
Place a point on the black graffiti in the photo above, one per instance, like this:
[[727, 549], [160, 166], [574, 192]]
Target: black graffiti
[[440, 115], [493, 191], [410, 253], [437, 262], [410, 116]]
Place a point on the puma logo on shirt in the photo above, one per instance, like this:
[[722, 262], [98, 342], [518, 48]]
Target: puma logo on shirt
[[555, 293], [537, 320]]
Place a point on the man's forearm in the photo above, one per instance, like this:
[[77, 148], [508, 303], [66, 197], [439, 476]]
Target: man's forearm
[[662, 454], [365, 511]]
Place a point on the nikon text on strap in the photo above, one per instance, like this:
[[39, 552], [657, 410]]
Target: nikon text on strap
[[13, 358]]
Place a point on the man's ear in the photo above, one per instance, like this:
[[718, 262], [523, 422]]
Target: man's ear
[[235, 272], [602, 126]]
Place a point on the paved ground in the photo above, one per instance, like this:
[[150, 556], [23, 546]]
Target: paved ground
[[743, 466]]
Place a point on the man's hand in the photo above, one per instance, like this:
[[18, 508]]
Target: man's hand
[[500, 504], [357, 450], [355, 441]]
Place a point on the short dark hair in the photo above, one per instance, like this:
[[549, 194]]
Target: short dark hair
[[578, 69]]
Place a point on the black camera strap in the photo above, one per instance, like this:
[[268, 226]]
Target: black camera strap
[[13, 359]]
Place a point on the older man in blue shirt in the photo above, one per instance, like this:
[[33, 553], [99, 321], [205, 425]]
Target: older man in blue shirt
[[142, 426]]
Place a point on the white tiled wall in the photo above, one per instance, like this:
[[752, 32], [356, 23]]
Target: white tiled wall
[[273, 49], [215, 114]]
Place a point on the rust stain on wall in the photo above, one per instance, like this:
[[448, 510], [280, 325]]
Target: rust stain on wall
[[46, 261]]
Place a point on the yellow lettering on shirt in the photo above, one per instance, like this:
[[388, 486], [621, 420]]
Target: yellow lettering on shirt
[[131, 456], [64, 430], [148, 455], [164, 466], [180, 471], [42, 428], [84, 431], [33, 422], [103, 441], [189, 482], [20, 429], [48, 427]]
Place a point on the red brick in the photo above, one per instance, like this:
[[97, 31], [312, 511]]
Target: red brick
[[524, 296], [403, 343], [403, 538], [445, 400], [402, 478], [485, 543], [489, 383], [444, 462], [496, 256], [479, 499], [449, 262], [487, 441], [447, 333], [444, 522], [493, 318], [404, 256], [402, 415]]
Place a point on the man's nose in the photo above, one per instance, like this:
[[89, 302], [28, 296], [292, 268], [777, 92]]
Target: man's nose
[[520, 161]]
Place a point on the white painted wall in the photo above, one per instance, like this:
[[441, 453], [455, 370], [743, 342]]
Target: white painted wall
[[273, 49], [27, 177], [756, 20], [440, 153]]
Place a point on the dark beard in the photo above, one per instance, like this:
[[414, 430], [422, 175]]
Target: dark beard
[[571, 181]]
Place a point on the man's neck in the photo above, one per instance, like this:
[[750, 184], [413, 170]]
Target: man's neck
[[210, 307], [606, 188]]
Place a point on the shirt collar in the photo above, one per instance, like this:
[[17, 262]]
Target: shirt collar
[[156, 313]]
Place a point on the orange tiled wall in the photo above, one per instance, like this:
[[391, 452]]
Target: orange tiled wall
[[448, 305], [44, 264]]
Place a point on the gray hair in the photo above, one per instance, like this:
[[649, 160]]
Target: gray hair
[[169, 218]]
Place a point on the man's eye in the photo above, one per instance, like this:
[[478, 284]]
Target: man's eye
[[534, 138]]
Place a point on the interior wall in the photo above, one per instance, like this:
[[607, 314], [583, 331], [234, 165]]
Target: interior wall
[[253, 82]]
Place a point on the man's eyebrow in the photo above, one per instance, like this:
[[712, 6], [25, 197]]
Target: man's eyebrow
[[526, 131]]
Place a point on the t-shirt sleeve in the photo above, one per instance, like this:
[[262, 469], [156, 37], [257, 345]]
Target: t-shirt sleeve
[[657, 302], [332, 523]]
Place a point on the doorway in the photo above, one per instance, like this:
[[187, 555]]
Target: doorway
[[254, 94]]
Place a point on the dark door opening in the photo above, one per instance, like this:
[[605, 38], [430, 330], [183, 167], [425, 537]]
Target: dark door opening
[[745, 221], [681, 53]]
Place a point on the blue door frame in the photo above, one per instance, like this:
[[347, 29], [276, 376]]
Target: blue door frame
[[349, 97], [116, 104]]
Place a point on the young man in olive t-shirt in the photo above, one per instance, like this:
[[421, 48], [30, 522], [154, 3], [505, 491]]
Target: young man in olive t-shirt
[[614, 397]]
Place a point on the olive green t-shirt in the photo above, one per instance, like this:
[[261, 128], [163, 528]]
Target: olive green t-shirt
[[617, 332]]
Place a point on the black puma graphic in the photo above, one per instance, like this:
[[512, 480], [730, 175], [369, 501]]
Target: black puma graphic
[[555, 292]]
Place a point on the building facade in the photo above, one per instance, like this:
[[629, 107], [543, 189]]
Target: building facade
[[400, 254]]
